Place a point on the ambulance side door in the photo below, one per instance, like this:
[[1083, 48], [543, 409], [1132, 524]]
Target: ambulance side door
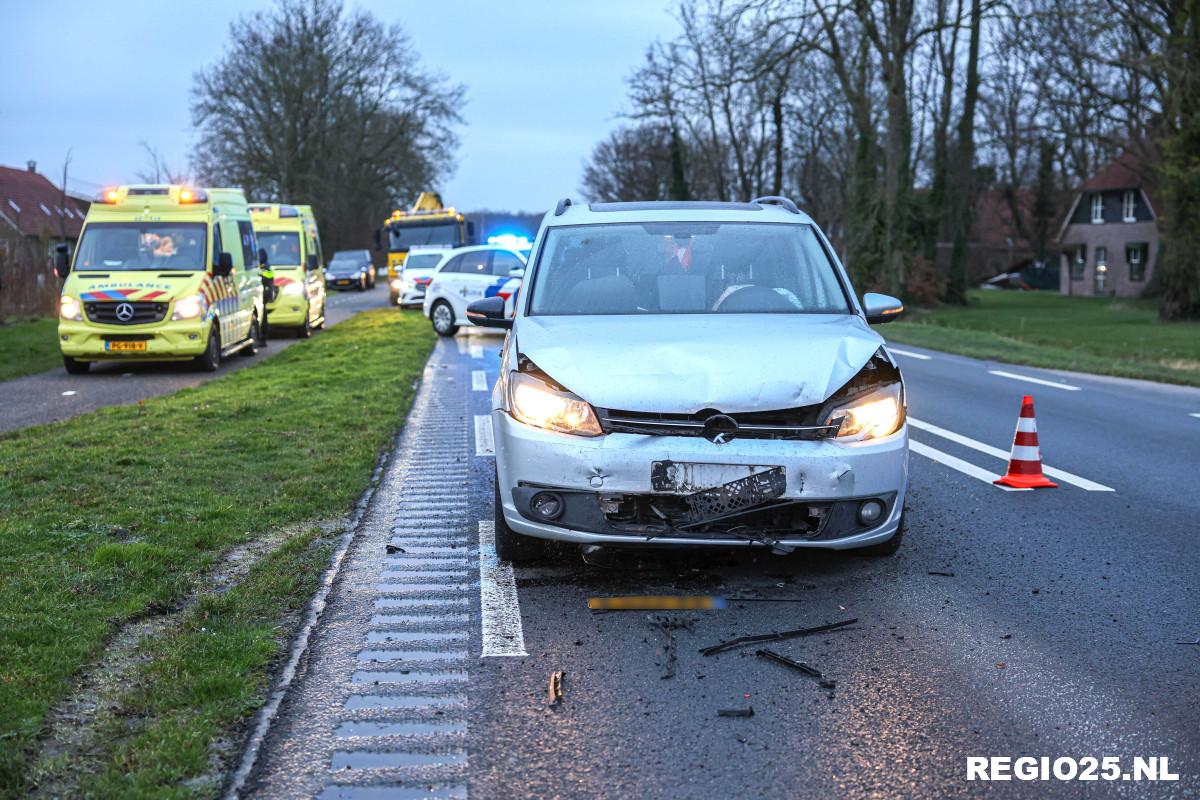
[[250, 283], [315, 278]]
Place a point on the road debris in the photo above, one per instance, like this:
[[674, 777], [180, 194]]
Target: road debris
[[656, 603], [736, 712], [799, 666], [666, 627], [1195, 642], [942, 574], [556, 688], [392, 549], [774, 637]]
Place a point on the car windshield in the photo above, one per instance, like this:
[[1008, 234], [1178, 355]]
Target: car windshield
[[283, 247], [344, 265], [114, 246], [685, 268], [422, 260], [402, 237]]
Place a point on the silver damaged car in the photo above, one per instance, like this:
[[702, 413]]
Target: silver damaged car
[[694, 374]]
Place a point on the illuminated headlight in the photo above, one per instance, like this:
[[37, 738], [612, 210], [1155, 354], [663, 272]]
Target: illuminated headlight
[[69, 308], [398, 285], [293, 288], [869, 416], [189, 307], [536, 403]]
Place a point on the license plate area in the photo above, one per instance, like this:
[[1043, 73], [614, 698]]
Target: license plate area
[[125, 347], [689, 477]]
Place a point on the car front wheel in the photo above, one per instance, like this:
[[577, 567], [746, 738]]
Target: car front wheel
[[210, 360], [510, 545], [76, 367], [442, 317]]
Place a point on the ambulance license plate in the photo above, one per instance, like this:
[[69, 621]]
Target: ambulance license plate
[[125, 347]]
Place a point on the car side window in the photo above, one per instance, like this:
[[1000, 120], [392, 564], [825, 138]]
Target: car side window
[[229, 231], [249, 246], [504, 262], [476, 263], [216, 243], [453, 265]]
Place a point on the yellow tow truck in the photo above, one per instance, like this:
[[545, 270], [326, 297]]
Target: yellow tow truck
[[428, 222]]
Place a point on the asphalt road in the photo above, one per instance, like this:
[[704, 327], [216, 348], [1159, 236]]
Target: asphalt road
[[1053, 633], [54, 395]]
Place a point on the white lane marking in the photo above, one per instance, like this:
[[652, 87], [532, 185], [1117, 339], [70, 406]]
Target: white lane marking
[[498, 602], [957, 438], [462, 344], [1197, 416], [68, 393], [965, 467], [479, 380], [1014, 376], [476, 351], [485, 445], [909, 353]]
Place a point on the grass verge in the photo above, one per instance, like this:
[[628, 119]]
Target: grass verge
[[118, 514], [28, 346], [1105, 336]]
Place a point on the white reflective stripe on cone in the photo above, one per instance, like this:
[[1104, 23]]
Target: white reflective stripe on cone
[[1026, 425], [1022, 452]]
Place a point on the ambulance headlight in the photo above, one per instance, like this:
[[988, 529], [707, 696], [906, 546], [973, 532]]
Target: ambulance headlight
[[69, 308], [398, 285], [189, 307], [293, 288]]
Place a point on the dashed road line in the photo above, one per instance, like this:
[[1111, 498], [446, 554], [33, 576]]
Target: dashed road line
[[503, 634], [965, 467], [1194, 415], [485, 444], [476, 351], [479, 381], [909, 353], [1040, 381], [965, 441]]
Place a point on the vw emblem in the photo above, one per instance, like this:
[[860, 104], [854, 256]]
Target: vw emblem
[[124, 312], [720, 428]]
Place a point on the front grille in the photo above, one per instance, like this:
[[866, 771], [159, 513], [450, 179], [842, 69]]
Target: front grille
[[143, 313], [790, 423]]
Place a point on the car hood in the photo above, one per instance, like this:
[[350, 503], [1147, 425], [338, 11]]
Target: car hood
[[686, 363], [94, 286]]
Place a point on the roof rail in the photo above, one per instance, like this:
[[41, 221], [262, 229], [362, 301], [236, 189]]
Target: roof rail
[[562, 206], [777, 200]]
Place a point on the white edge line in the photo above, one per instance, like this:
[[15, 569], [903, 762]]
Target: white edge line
[[476, 351], [485, 443], [479, 380], [908, 353], [957, 438], [1197, 416], [965, 467], [1014, 376], [499, 605]]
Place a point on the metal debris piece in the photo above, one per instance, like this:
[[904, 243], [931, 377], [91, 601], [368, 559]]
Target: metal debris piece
[[773, 637], [556, 688], [799, 666], [828, 684], [943, 574], [736, 712], [1195, 642], [392, 549]]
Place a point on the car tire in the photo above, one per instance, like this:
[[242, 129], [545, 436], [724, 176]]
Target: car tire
[[210, 360], [442, 317], [510, 545], [888, 548], [74, 366], [254, 342]]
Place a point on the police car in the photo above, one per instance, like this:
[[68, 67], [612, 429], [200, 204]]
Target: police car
[[467, 274]]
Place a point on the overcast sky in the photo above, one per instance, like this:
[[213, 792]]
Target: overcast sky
[[545, 81]]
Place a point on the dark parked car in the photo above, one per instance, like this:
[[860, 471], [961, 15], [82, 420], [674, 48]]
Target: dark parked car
[[357, 258]]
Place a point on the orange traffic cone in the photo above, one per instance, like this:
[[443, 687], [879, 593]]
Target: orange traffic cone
[[1025, 464]]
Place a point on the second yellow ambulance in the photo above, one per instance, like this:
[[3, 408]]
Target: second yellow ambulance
[[288, 234]]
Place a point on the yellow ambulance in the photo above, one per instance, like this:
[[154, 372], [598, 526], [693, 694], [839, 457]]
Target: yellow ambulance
[[288, 234], [161, 273]]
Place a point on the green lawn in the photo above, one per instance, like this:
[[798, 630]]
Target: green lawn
[[28, 346], [117, 514], [1043, 329]]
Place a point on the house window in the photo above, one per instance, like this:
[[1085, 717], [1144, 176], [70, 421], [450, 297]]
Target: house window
[[1129, 206], [1078, 263], [1136, 254], [1097, 208], [1101, 256]]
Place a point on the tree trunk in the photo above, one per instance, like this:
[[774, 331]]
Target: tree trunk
[[964, 185]]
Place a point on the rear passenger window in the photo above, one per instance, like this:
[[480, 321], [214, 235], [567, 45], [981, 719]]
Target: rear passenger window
[[217, 249], [504, 262], [473, 263], [249, 246]]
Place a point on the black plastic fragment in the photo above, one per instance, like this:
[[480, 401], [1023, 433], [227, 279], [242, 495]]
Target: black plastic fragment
[[773, 637], [799, 666], [736, 712]]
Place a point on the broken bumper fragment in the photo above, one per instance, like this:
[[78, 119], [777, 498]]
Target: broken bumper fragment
[[625, 488]]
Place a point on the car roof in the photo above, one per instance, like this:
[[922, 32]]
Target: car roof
[[672, 211]]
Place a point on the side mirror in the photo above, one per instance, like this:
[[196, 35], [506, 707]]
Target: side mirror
[[62, 261], [378, 240], [517, 272], [224, 266], [881, 308], [262, 258], [489, 313], [311, 264]]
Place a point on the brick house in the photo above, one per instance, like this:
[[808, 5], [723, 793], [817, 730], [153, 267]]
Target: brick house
[[1109, 239]]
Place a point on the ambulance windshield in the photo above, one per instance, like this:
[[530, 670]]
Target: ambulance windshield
[[112, 246]]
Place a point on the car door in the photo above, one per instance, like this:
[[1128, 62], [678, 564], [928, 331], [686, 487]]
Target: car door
[[473, 275], [250, 284], [224, 291], [314, 278]]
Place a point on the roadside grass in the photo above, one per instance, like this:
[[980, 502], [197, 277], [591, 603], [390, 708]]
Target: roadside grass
[[28, 346], [116, 515], [1106, 336]]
